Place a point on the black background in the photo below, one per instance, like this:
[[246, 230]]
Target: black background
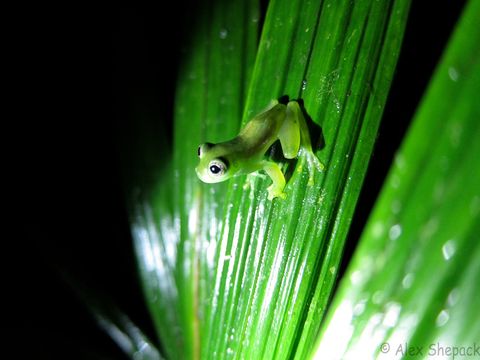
[[77, 75]]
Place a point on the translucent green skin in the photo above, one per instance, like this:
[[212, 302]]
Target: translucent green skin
[[245, 153]]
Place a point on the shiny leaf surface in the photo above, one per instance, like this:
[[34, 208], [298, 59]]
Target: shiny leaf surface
[[412, 282], [226, 272]]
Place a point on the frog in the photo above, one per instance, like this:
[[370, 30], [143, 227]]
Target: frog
[[246, 153]]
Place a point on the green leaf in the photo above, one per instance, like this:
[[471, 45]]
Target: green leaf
[[227, 272], [277, 262], [412, 282], [174, 218]]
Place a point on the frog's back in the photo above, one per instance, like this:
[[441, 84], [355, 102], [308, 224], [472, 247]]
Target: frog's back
[[262, 131]]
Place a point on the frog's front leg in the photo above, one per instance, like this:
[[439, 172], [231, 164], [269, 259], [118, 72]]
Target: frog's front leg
[[278, 180]]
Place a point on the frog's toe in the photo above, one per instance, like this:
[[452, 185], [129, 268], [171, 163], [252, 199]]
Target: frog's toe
[[312, 164]]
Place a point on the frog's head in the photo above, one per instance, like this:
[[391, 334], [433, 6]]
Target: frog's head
[[214, 166]]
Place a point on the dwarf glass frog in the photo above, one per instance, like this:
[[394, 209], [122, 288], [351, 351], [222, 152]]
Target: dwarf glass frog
[[246, 153]]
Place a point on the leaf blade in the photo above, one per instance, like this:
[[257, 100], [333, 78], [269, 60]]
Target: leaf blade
[[289, 237], [406, 303], [175, 217]]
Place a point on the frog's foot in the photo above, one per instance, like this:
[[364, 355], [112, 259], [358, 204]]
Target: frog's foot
[[278, 180], [275, 191], [313, 164]]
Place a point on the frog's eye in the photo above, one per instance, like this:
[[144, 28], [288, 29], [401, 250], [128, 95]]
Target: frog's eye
[[202, 148], [217, 167]]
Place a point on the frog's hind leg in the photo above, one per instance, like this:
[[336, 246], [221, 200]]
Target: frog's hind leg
[[305, 146], [289, 133]]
